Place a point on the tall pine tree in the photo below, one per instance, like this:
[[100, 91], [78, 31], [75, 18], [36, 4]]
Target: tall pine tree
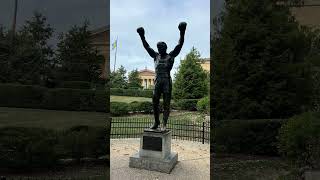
[[259, 67], [78, 59], [191, 79], [118, 78], [134, 80]]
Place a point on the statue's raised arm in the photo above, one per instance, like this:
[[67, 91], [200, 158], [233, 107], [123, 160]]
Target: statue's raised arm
[[151, 52], [182, 27]]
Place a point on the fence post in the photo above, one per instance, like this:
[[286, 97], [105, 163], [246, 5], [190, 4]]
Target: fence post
[[202, 132]]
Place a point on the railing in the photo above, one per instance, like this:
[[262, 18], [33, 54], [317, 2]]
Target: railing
[[133, 128]]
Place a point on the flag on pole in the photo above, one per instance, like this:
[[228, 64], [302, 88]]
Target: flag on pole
[[114, 45]]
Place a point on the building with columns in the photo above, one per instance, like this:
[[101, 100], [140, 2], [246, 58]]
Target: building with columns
[[100, 39], [147, 77], [205, 64]]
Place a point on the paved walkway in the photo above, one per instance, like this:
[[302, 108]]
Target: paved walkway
[[193, 161]]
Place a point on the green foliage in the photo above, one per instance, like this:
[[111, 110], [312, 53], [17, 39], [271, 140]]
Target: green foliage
[[203, 105], [122, 108], [255, 137], [118, 78], [83, 141], [75, 84], [28, 96], [131, 92], [28, 58], [134, 80], [185, 104], [101, 101], [27, 148], [78, 59], [191, 79], [16, 95], [146, 107], [299, 139], [119, 108], [259, 67]]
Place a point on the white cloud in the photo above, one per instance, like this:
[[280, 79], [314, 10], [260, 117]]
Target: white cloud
[[160, 19]]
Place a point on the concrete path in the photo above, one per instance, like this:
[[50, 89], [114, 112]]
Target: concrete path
[[193, 161]]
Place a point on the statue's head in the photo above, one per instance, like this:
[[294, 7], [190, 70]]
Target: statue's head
[[162, 47]]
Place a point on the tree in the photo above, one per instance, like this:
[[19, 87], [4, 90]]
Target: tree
[[134, 80], [30, 56], [4, 55], [118, 78], [259, 67], [191, 79], [78, 59]]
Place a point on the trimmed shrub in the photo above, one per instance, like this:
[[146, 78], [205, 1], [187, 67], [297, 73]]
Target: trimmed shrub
[[146, 107], [84, 141], [203, 105], [255, 137], [134, 106], [27, 96], [131, 92], [299, 139], [101, 101], [69, 99], [28, 148], [186, 104], [119, 108], [21, 96], [75, 84]]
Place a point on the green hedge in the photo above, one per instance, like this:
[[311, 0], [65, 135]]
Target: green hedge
[[119, 108], [75, 84], [185, 104], [25, 96], [27, 148], [16, 95], [256, 137], [131, 92], [203, 105], [122, 108], [299, 139]]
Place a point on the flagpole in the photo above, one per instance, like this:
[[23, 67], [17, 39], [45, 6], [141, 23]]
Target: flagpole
[[14, 20], [115, 56]]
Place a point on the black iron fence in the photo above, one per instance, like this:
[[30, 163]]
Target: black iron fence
[[124, 127]]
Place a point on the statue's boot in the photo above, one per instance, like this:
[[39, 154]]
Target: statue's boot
[[155, 125], [165, 124]]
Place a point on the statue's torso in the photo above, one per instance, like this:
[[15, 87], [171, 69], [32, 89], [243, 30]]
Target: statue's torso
[[163, 65]]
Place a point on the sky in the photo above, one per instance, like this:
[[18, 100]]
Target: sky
[[160, 19], [61, 14]]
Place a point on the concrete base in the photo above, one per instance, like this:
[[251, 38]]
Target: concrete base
[[312, 175], [155, 152], [152, 164]]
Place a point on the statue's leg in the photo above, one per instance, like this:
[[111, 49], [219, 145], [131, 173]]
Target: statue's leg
[[166, 102], [155, 103]]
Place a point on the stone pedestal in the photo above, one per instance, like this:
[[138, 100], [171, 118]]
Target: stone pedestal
[[155, 152]]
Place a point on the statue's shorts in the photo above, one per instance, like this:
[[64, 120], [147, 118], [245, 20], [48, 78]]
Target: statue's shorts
[[162, 85]]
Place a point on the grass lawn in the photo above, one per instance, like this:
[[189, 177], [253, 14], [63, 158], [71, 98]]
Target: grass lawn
[[50, 118], [242, 167], [79, 172], [128, 99], [57, 120], [183, 116]]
